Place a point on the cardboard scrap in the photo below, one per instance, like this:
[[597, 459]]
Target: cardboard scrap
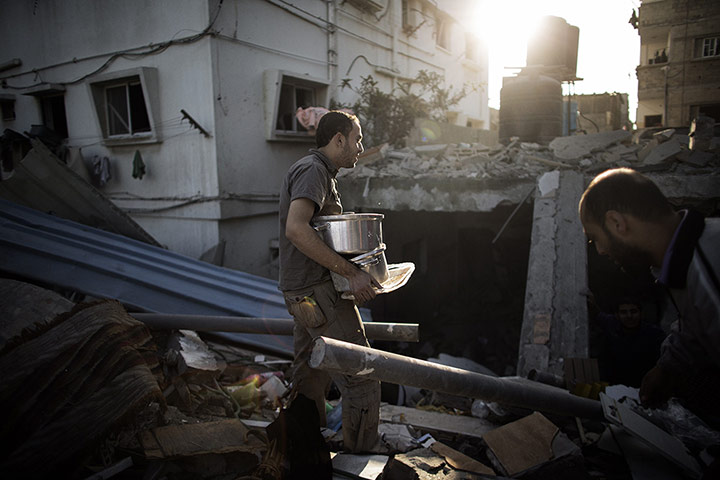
[[460, 461], [522, 444]]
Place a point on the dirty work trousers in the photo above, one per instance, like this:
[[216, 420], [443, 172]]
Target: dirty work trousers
[[319, 310]]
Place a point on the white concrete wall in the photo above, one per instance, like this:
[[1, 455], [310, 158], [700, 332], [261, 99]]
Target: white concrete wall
[[49, 35], [197, 190]]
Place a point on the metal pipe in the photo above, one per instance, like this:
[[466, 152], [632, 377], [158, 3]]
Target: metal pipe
[[399, 332], [335, 355]]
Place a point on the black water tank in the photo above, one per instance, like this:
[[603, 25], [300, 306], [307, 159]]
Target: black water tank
[[530, 108]]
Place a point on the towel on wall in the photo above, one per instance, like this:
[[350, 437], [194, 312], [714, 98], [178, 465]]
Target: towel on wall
[[138, 166]]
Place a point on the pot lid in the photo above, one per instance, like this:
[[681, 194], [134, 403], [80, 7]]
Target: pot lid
[[349, 216]]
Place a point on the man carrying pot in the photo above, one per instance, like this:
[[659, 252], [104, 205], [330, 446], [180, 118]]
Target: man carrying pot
[[310, 190]]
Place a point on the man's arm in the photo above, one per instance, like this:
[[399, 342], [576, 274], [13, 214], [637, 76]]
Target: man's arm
[[306, 239]]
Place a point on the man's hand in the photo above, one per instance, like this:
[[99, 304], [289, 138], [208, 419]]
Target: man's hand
[[657, 387], [361, 286]]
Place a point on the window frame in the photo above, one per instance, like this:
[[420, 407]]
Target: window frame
[[146, 77], [702, 44], [274, 81]]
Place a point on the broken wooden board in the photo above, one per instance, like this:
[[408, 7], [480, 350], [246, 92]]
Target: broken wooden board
[[434, 421], [224, 436]]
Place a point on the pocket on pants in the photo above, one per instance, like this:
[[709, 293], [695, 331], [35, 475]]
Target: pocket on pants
[[305, 310]]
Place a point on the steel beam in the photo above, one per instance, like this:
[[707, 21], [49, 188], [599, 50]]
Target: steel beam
[[398, 332], [335, 355]]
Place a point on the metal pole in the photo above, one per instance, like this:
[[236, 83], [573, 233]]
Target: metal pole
[[398, 332], [335, 355]]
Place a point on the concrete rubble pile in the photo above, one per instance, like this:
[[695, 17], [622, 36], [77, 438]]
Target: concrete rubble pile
[[105, 395], [652, 150]]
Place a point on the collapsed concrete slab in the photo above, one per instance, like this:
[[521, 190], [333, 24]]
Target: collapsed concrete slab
[[578, 146]]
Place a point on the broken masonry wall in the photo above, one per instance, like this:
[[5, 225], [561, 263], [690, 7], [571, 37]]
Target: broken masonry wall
[[555, 317]]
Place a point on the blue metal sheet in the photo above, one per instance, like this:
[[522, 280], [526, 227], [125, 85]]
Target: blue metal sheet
[[105, 265]]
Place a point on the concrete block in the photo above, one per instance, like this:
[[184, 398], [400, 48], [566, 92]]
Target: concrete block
[[578, 146], [663, 152]]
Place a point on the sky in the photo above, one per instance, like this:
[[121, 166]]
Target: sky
[[608, 48]]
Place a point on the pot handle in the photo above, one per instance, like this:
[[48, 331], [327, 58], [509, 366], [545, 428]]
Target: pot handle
[[321, 227], [368, 262]]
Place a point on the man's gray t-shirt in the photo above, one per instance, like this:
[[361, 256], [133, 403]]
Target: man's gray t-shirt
[[311, 177]]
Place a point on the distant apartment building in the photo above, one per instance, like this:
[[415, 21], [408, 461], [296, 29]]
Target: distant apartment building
[[679, 71]]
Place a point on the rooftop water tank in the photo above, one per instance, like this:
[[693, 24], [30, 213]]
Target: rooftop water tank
[[530, 108]]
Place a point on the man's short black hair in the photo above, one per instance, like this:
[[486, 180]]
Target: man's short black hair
[[331, 123], [626, 191]]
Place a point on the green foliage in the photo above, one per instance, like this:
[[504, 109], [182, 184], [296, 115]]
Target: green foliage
[[388, 117]]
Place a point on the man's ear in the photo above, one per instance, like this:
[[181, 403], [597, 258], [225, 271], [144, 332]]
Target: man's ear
[[339, 139], [616, 222]]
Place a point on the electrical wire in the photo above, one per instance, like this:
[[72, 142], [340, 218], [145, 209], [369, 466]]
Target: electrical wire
[[130, 54]]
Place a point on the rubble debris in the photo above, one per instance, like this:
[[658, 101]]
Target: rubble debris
[[64, 388], [701, 133], [578, 146], [663, 152], [460, 461], [589, 153], [26, 306]]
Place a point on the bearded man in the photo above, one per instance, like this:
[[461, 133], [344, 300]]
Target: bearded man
[[310, 190], [627, 217]]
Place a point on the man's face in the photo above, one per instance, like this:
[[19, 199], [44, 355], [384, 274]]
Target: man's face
[[353, 147], [629, 315], [627, 256]]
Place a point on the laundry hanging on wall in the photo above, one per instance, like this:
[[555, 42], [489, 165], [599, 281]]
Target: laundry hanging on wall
[[101, 173], [138, 166]]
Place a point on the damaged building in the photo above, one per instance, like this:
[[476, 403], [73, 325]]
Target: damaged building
[[139, 295]]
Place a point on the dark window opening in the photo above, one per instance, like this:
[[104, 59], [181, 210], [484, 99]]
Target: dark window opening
[[293, 97], [653, 121], [8, 110], [53, 114]]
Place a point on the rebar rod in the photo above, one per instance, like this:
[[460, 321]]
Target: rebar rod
[[398, 332]]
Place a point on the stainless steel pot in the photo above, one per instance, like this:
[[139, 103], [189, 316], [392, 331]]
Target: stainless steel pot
[[374, 263], [352, 233]]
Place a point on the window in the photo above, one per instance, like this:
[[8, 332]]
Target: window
[[653, 121], [443, 32], [53, 113], [126, 111], [472, 48], [124, 105], [286, 92], [707, 47], [292, 97]]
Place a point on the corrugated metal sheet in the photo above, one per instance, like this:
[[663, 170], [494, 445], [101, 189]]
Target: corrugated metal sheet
[[43, 182], [45, 248]]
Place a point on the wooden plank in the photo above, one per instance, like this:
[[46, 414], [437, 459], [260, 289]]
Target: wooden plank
[[434, 421], [223, 436]]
